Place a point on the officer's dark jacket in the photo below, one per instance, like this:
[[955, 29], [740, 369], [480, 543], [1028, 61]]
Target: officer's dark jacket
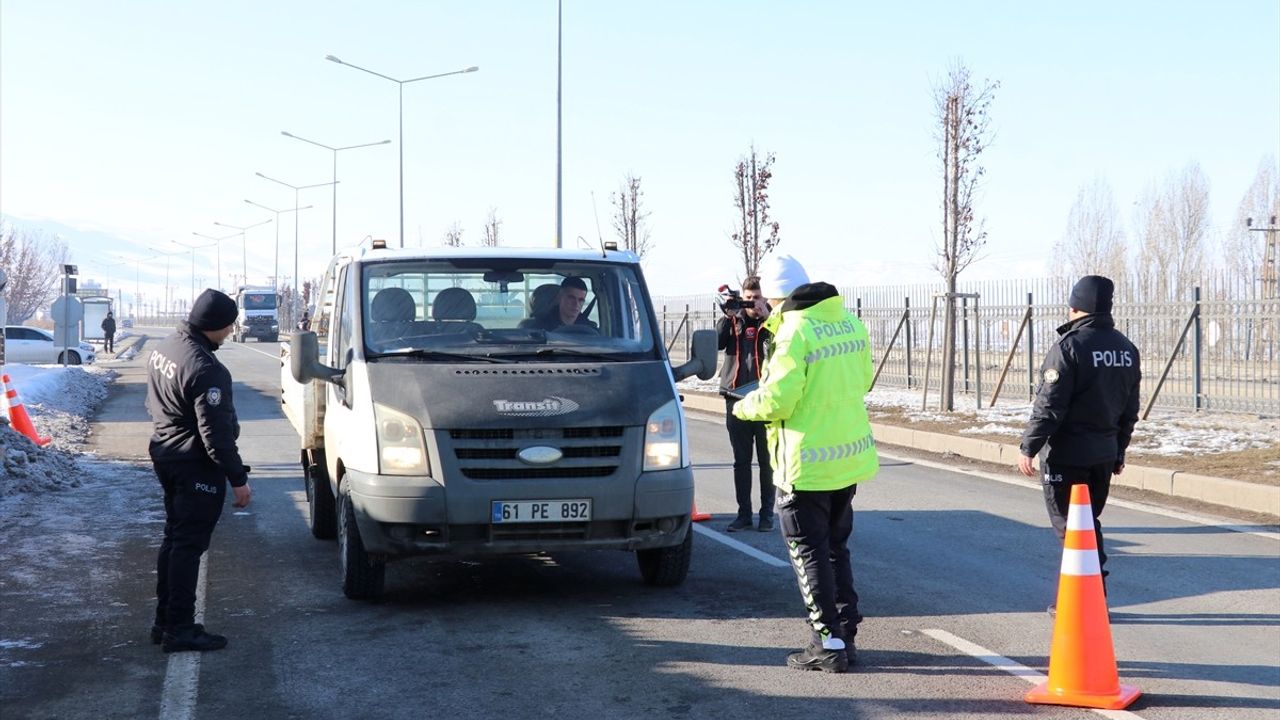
[[189, 399], [744, 342], [1087, 401]]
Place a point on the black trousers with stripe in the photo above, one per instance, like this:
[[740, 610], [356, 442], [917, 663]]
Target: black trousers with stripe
[[1057, 480], [193, 497], [816, 527]]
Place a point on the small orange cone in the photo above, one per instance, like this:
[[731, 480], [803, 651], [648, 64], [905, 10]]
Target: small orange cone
[[18, 415], [1082, 660], [699, 517]]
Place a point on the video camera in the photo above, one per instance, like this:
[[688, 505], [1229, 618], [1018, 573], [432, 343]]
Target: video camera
[[730, 300]]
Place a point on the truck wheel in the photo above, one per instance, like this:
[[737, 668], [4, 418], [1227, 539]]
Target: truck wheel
[[322, 515], [669, 566], [362, 577]]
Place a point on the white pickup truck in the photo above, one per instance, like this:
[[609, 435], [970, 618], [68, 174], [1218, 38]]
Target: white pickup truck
[[445, 409]]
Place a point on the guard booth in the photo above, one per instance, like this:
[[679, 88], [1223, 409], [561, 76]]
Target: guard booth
[[95, 311]]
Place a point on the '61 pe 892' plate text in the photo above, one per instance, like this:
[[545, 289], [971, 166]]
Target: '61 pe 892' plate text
[[532, 511]]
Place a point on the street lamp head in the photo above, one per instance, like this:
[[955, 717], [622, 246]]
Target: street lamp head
[[473, 68], [331, 58], [286, 133]]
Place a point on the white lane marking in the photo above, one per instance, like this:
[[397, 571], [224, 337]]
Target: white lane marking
[[741, 547], [275, 357], [1013, 668], [182, 677], [1221, 523]]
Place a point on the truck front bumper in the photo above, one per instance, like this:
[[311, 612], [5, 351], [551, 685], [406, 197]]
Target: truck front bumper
[[403, 516]]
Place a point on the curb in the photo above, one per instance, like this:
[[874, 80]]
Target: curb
[[1225, 492]]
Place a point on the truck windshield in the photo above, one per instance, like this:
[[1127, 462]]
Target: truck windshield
[[259, 301], [539, 310]]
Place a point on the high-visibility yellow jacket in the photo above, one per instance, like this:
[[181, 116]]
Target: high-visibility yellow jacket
[[812, 394]]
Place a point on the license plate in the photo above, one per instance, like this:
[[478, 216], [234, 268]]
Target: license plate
[[533, 511]]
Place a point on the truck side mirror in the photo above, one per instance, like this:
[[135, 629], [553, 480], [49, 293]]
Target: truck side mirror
[[304, 359], [703, 362]]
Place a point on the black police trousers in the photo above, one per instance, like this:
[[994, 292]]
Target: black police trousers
[[816, 527], [745, 436], [1057, 480], [193, 496]]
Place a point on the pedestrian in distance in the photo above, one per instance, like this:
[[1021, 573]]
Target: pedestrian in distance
[[744, 341], [109, 333], [812, 395], [193, 449], [1085, 408]]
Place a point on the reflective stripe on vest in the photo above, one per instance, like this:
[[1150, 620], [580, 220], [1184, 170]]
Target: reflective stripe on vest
[[841, 348], [837, 452]]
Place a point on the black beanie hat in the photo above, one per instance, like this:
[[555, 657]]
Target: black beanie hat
[[212, 311], [1092, 294]]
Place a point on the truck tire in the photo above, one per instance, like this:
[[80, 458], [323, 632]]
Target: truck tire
[[322, 515], [362, 576], [669, 566]]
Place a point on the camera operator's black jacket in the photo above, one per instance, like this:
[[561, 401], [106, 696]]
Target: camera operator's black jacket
[[1087, 402], [744, 343], [189, 399]]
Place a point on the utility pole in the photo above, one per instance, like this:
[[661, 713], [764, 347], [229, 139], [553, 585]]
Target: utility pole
[[1270, 258]]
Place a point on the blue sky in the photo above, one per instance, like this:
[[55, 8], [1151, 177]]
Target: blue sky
[[146, 121]]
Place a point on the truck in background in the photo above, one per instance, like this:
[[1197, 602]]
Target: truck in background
[[257, 315], [439, 417]]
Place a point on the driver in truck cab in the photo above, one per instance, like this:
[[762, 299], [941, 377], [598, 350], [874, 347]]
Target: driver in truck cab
[[567, 309]]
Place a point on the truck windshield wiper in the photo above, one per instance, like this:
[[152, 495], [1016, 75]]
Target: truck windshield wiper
[[437, 355], [549, 351]]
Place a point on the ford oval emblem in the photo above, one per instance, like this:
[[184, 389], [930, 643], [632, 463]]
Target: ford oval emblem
[[539, 455]]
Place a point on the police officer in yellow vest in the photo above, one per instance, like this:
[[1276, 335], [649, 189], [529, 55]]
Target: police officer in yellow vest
[[811, 395]]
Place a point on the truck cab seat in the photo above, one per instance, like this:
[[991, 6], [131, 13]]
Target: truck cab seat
[[454, 310], [390, 313]]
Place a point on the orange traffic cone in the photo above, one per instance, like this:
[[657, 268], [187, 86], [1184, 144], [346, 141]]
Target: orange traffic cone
[[697, 516], [18, 415], [1082, 661]]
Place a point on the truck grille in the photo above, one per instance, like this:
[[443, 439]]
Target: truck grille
[[490, 454]]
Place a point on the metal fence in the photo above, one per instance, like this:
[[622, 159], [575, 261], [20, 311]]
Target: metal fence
[[1220, 345]]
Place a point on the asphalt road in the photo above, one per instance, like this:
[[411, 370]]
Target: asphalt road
[[949, 565]]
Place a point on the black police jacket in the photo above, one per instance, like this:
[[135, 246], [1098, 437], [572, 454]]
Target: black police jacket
[[189, 399], [1087, 401]]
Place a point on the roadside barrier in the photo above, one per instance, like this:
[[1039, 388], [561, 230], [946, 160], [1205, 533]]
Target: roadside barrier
[[18, 414], [1082, 660], [697, 516]]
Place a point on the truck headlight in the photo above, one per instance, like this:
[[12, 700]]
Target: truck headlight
[[400, 447], [663, 438]]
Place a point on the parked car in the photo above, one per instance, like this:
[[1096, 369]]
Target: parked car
[[126, 323], [34, 346]]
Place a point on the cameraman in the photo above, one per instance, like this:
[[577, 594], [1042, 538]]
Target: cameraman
[[743, 341]]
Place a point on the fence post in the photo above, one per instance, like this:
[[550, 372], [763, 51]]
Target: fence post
[[964, 338], [1031, 349], [688, 322], [907, 304], [977, 351], [1198, 348], [858, 308], [666, 329]]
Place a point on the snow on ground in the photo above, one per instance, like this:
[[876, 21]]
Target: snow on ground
[[1164, 433], [60, 402]]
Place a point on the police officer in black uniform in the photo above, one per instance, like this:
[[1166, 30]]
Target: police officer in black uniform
[[744, 342], [193, 449], [1085, 408]]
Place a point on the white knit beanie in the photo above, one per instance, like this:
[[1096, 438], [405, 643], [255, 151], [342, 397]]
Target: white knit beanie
[[781, 274]]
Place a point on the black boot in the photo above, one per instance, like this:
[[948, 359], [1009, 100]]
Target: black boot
[[816, 657], [192, 637]]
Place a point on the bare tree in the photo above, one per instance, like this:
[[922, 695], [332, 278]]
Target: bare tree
[[1244, 249], [1173, 222], [962, 111], [630, 219], [1094, 242], [751, 178], [452, 236], [33, 263], [491, 226]]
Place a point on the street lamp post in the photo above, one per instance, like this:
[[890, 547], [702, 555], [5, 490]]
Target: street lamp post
[[193, 249], [401, 83], [217, 241], [296, 189], [168, 300], [275, 277], [336, 150], [244, 246]]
